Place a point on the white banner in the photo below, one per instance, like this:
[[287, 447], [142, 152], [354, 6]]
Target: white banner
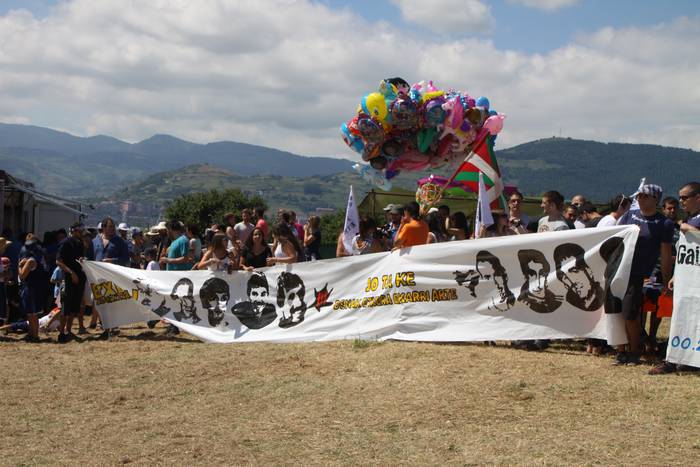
[[684, 338], [538, 286]]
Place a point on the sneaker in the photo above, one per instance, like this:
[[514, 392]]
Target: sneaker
[[632, 359], [30, 339], [663, 369], [621, 358], [172, 331], [93, 326], [82, 330], [63, 338], [151, 324], [104, 336]]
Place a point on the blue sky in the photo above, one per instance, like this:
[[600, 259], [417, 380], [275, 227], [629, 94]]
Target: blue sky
[[516, 27], [210, 70]]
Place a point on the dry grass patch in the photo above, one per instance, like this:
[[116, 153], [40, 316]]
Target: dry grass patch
[[143, 400]]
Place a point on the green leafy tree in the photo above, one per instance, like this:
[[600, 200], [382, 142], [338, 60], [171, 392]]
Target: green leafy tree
[[331, 225], [204, 209]]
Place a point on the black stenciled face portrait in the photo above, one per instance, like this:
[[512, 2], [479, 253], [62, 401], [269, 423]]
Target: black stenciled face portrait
[[290, 298], [535, 293], [257, 312], [214, 295], [582, 290], [182, 293], [489, 268], [612, 250]]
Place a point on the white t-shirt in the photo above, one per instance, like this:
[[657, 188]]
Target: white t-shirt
[[607, 221], [153, 266], [44, 320], [545, 225], [579, 225], [243, 230]]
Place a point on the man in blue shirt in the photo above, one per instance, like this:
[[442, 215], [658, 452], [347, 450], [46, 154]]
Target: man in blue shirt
[[178, 257], [110, 247], [655, 237]]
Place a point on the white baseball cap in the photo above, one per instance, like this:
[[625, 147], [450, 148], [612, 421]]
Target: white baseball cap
[[123, 226]]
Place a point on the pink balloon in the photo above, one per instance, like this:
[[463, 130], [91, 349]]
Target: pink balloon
[[494, 124]]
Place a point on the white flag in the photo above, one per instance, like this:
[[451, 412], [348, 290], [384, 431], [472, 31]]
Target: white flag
[[483, 208], [352, 222], [635, 203]]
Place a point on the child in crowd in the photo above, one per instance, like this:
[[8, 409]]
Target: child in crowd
[[58, 280], [151, 260], [47, 323]]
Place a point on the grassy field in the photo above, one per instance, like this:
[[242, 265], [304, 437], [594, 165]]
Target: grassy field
[[145, 399]]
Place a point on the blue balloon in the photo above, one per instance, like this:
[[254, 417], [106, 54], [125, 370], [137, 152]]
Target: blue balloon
[[483, 102]]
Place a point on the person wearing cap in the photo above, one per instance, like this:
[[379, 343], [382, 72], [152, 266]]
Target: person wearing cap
[[689, 196], [655, 238], [393, 214], [123, 229], [70, 252]]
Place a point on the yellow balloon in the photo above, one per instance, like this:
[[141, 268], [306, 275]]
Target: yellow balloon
[[373, 104]]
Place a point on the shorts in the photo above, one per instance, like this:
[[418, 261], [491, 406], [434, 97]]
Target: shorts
[[73, 296], [30, 301], [632, 300]]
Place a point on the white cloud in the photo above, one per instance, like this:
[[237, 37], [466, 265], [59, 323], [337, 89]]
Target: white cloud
[[465, 17], [286, 74], [546, 5]]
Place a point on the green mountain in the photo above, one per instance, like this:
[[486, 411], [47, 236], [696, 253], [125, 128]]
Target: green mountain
[[597, 170]]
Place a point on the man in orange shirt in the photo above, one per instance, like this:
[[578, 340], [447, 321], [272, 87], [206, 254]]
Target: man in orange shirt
[[412, 231]]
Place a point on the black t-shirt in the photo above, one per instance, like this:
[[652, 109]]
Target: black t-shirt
[[593, 222], [257, 261], [69, 251]]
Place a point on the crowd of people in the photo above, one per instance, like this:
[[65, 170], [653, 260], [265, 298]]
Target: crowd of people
[[43, 286]]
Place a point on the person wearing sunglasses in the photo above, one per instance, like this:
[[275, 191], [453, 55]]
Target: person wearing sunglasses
[[655, 238], [689, 196]]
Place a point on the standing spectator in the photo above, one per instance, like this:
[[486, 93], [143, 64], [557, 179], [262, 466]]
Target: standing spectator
[[689, 196], [367, 240], [70, 252], [571, 215], [312, 238], [437, 227], [501, 227], [578, 201], [655, 237], [340, 249], [137, 249], [178, 257], [413, 230], [5, 275], [444, 213], [589, 215], [194, 242], [31, 289], [458, 227], [619, 205], [123, 230], [296, 225], [255, 252], [109, 247], [151, 259], [285, 248], [516, 217], [244, 228], [217, 257], [393, 213], [261, 222], [552, 204]]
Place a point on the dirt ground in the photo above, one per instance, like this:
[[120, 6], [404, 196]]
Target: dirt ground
[[146, 399]]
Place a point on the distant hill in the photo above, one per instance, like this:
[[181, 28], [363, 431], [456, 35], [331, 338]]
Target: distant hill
[[64, 164], [302, 194], [597, 170]]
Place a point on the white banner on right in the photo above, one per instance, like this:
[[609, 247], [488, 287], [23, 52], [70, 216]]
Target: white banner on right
[[684, 337]]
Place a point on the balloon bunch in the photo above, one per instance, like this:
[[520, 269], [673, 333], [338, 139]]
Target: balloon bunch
[[412, 128]]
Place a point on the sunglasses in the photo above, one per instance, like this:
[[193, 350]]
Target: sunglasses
[[685, 197]]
